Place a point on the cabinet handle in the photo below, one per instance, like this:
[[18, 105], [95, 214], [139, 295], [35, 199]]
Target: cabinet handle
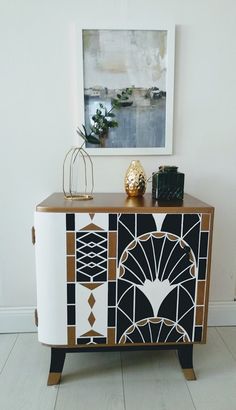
[[33, 235]]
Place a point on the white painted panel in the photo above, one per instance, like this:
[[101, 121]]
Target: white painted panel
[[83, 310], [99, 309], [84, 219], [50, 232], [159, 218], [101, 220]]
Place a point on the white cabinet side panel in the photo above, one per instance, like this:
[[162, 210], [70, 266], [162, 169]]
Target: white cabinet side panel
[[51, 277]]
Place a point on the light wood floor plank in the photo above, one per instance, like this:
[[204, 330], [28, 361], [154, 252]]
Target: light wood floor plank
[[154, 381], [215, 368], [6, 344], [228, 335], [91, 381], [24, 377]]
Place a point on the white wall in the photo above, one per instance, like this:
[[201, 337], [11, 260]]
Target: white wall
[[37, 114]]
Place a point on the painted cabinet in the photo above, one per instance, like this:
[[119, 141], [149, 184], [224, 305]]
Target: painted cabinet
[[118, 272]]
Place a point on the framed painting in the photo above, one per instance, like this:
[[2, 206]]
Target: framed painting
[[130, 74]]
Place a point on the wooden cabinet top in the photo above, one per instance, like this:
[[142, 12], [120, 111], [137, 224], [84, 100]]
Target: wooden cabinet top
[[119, 202]]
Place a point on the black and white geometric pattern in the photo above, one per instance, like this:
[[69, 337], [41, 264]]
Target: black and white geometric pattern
[[150, 295], [157, 277], [91, 256]]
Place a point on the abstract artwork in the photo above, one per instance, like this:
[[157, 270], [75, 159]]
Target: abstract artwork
[[142, 61]]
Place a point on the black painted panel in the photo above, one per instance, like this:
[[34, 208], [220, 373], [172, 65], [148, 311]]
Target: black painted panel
[[202, 269], [70, 293], [71, 315], [203, 245], [112, 222], [70, 222], [172, 224], [145, 223]]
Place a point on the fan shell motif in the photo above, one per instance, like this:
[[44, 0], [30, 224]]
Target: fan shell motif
[[156, 289]]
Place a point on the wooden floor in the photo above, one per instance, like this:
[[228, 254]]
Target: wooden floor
[[127, 381]]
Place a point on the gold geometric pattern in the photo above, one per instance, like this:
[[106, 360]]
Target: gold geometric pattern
[[91, 227], [91, 300], [91, 333], [91, 285], [91, 319]]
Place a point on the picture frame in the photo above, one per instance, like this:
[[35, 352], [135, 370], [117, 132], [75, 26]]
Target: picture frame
[[111, 60]]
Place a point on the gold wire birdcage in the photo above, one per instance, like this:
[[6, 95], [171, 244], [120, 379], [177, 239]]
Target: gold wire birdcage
[[78, 176]]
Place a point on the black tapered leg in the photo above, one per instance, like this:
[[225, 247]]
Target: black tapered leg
[[57, 362], [185, 354]]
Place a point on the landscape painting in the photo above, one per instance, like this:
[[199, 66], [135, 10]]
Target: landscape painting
[[133, 64]]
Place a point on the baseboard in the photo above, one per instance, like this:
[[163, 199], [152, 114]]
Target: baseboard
[[222, 314], [21, 319], [17, 320]]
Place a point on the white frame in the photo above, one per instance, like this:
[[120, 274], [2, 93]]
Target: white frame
[[167, 150]]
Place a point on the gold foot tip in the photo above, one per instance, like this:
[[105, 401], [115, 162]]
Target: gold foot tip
[[189, 374], [54, 378]]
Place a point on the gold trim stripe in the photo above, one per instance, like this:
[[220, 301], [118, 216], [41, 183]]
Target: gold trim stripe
[[111, 269], [111, 336], [70, 243], [71, 335], [199, 315], [70, 269], [201, 292], [205, 222], [112, 244]]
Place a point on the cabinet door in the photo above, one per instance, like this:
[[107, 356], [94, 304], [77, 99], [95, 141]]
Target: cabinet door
[[161, 277], [122, 278], [139, 278]]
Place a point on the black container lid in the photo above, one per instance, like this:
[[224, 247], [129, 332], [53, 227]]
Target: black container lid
[[168, 168]]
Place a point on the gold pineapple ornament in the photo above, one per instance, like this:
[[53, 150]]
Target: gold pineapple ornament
[[135, 179]]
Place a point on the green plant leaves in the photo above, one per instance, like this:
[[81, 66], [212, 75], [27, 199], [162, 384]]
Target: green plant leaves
[[104, 119]]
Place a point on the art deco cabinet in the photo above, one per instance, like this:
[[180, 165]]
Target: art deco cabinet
[[122, 273]]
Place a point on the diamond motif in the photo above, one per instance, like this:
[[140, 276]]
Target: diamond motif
[[91, 300], [91, 255], [91, 264], [91, 244], [91, 319]]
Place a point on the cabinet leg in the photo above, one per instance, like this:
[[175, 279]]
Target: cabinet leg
[[185, 354], [57, 362]]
